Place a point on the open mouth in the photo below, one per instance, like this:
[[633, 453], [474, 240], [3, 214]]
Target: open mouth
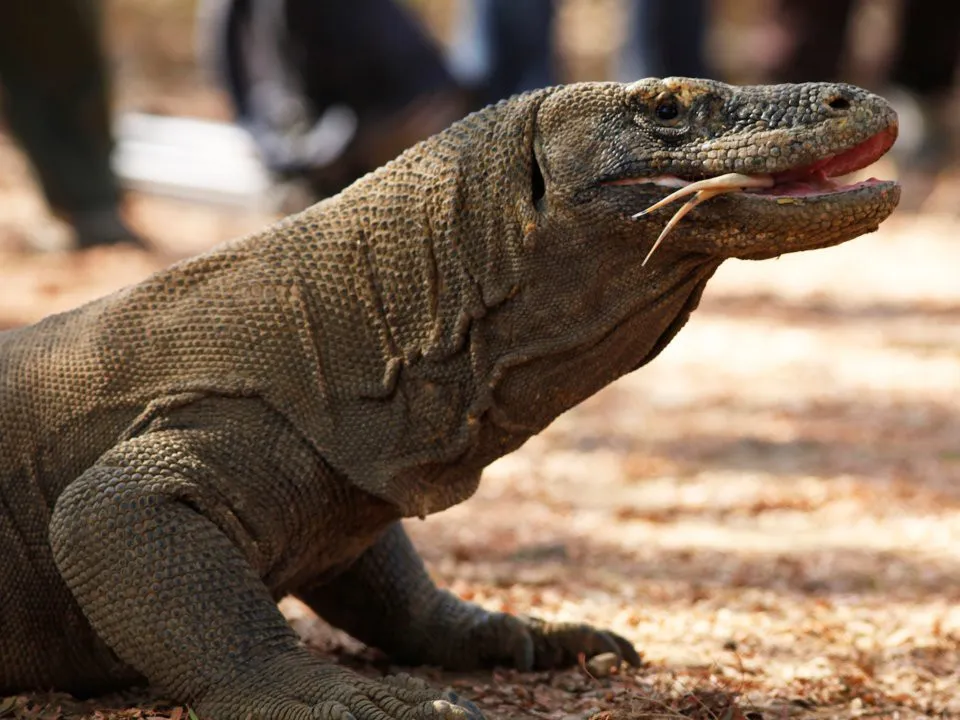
[[817, 177], [813, 179]]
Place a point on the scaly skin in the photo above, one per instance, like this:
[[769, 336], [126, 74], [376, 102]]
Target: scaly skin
[[255, 422]]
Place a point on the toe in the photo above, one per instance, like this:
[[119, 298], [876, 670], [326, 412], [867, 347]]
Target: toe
[[444, 710], [332, 711], [561, 644], [402, 697], [627, 651], [406, 682], [517, 640], [473, 712]]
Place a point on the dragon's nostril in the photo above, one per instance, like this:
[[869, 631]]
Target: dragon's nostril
[[839, 102]]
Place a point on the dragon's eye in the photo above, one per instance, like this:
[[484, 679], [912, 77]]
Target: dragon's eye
[[667, 108]]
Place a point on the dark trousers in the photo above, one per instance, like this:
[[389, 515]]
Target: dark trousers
[[285, 62], [54, 96], [926, 54], [666, 37], [511, 43]]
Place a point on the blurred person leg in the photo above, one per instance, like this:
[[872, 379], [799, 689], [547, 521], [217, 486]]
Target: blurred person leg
[[929, 48], [54, 94], [665, 37], [330, 90], [923, 79], [503, 47], [817, 34]]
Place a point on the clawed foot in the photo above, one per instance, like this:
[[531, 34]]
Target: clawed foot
[[557, 645], [396, 697], [331, 693], [479, 639]]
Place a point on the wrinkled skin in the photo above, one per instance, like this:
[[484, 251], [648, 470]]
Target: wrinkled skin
[[256, 421], [584, 251]]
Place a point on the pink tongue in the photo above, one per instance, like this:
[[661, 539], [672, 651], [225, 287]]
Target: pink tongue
[[856, 158], [809, 185], [821, 186]]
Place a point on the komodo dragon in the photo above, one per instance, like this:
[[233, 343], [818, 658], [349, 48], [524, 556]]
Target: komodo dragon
[[255, 422]]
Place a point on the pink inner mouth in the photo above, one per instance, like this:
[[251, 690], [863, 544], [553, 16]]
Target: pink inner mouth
[[814, 179]]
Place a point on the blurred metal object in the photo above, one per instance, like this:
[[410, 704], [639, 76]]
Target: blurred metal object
[[189, 159]]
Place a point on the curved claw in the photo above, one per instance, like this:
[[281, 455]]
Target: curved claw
[[473, 712], [395, 697], [561, 644], [446, 710], [627, 652]]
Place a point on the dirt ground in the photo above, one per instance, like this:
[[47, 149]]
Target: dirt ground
[[770, 511]]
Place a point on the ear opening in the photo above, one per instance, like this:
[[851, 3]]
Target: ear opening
[[538, 187], [538, 182]]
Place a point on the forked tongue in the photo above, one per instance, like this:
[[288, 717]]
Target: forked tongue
[[702, 190]]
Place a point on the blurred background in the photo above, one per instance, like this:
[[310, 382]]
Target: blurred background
[[772, 508], [170, 125]]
